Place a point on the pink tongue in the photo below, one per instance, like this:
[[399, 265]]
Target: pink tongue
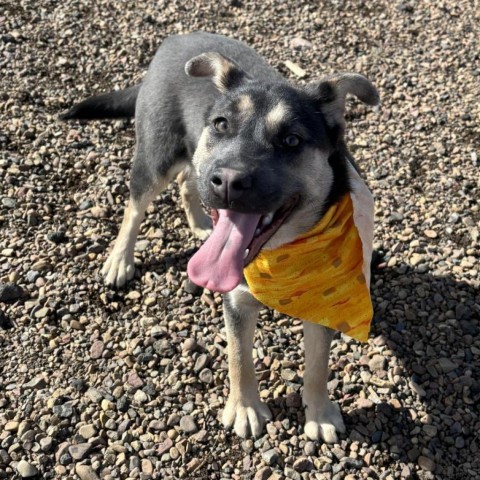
[[218, 265]]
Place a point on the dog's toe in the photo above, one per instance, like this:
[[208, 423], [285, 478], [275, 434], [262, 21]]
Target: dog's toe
[[324, 424], [118, 270], [247, 417]]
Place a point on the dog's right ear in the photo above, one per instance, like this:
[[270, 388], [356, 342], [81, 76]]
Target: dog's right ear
[[332, 91], [225, 73]]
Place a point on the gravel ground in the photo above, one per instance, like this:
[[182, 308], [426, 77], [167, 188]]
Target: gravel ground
[[96, 383]]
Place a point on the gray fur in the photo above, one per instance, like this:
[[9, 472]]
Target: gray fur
[[194, 82]]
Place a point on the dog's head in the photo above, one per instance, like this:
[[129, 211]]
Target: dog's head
[[268, 157]]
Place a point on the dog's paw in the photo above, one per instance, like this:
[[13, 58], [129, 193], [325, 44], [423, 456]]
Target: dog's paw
[[247, 416], [325, 423], [118, 270]]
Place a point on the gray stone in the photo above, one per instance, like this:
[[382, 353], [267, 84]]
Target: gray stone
[[26, 469], [85, 205], [310, 448], [94, 395], [173, 419], [271, 456], [9, 202], [134, 462], [4, 457], [80, 450], [201, 362], [65, 459], [426, 463], [87, 431], [123, 404], [377, 362], [189, 345], [291, 474], [430, 430], [206, 376], [46, 444], [447, 365], [31, 276], [86, 472], [188, 425], [63, 411], [35, 384], [352, 463]]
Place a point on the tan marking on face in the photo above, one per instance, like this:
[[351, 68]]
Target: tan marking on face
[[276, 116], [199, 223], [202, 153], [245, 105]]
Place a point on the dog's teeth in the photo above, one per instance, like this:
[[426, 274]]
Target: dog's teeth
[[245, 255], [267, 219]]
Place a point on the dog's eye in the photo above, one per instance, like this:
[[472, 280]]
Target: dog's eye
[[220, 124], [292, 140]]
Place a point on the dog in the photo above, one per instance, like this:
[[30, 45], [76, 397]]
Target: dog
[[267, 158]]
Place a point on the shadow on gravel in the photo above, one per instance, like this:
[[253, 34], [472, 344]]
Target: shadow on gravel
[[428, 327]]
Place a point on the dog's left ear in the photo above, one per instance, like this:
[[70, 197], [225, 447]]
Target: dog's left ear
[[332, 91], [225, 73]]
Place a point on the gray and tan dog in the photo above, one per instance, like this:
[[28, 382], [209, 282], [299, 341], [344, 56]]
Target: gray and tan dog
[[265, 157]]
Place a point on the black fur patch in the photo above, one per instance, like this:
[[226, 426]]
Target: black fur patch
[[335, 134], [118, 104], [326, 92], [341, 184], [233, 78]]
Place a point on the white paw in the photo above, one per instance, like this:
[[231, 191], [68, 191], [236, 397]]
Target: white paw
[[324, 423], [118, 269], [247, 416]]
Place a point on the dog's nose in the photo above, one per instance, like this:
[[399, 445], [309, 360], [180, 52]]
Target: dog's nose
[[229, 184]]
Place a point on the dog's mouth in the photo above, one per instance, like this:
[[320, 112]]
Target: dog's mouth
[[236, 240]]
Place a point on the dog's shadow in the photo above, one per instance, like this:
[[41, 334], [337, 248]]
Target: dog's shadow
[[423, 411]]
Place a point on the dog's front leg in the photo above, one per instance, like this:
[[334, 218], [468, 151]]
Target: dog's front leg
[[244, 410], [323, 418]]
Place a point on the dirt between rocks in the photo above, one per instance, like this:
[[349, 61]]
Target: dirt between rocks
[[94, 382]]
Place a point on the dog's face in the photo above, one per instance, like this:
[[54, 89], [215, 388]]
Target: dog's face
[[268, 150], [263, 149]]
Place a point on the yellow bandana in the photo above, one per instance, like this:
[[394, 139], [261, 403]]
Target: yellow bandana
[[323, 276]]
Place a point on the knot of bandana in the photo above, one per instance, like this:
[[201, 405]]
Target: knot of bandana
[[323, 276]]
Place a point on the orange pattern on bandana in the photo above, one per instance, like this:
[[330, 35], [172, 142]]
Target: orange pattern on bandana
[[319, 276]]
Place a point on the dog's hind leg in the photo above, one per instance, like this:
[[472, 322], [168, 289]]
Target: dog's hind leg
[[244, 409], [323, 418], [199, 222], [144, 188]]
